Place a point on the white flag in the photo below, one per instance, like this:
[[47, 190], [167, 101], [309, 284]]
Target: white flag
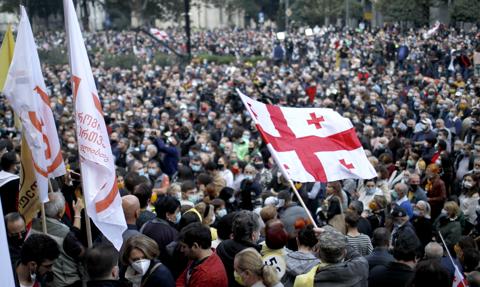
[[458, 279], [26, 92], [6, 276], [310, 144], [159, 34], [103, 202]]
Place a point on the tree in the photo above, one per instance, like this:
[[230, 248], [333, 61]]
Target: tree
[[315, 12], [141, 12], [413, 11], [43, 9], [465, 11]]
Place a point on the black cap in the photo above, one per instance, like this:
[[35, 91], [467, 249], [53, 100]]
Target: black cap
[[398, 211]]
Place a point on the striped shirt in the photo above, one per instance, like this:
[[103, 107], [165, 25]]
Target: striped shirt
[[361, 243]]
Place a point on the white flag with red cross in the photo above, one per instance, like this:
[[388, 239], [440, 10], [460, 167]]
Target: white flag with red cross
[[458, 279], [159, 34], [310, 144], [25, 89], [103, 202]]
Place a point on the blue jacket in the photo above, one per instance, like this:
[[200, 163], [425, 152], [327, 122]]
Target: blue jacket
[[171, 158]]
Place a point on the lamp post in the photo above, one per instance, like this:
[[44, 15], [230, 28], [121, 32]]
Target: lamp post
[[187, 27]]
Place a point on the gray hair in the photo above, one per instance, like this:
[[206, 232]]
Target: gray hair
[[433, 250], [402, 187], [55, 205]]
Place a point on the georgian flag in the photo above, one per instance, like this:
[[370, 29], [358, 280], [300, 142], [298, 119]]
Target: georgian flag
[[458, 279], [159, 34], [103, 202], [310, 144]]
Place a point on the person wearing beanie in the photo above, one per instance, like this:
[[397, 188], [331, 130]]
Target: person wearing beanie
[[273, 248], [341, 265]]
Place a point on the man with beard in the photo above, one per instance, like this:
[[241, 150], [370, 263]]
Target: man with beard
[[37, 257]]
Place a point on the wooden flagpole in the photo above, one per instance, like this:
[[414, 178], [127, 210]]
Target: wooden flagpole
[[44, 219], [88, 227]]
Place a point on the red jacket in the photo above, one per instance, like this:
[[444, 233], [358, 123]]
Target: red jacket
[[210, 272]]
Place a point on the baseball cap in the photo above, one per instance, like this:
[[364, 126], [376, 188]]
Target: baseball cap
[[398, 211]]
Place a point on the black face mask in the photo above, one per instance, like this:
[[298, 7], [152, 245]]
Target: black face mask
[[220, 166], [45, 278], [414, 186], [17, 241], [258, 166]]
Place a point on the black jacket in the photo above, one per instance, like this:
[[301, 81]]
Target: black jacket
[[227, 250], [394, 275], [379, 256], [105, 283]]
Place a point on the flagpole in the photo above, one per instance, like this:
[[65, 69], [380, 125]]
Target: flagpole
[[88, 227], [446, 248], [44, 219], [292, 185]]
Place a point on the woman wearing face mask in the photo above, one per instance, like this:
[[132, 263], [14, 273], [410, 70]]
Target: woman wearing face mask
[[422, 222], [367, 192], [224, 170], [139, 254], [250, 271], [448, 223], [469, 201]]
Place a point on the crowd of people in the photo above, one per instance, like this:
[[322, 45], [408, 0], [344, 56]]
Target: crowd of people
[[205, 203]]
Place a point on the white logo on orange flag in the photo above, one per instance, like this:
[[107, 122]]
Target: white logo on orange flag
[[102, 198], [26, 92]]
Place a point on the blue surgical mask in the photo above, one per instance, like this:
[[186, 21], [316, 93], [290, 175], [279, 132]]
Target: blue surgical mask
[[249, 177], [178, 217], [194, 198], [141, 172], [370, 190], [196, 167], [221, 212]]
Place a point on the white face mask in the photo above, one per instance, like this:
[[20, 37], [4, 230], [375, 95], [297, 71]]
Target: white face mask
[[141, 266]]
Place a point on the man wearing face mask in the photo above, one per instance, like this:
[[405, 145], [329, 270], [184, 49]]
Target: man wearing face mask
[[39, 252], [402, 226], [16, 233], [9, 181], [102, 266]]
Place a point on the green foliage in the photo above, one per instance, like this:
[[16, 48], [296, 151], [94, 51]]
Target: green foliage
[[414, 11], [465, 11], [314, 12], [120, 11]]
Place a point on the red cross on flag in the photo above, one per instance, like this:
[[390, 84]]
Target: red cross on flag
[[310, 144], [159, 34]]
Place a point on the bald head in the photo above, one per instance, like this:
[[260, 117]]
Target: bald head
[[131, 208], [433, 250]]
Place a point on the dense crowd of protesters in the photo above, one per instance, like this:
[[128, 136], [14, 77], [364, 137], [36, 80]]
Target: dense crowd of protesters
[[205, 203]]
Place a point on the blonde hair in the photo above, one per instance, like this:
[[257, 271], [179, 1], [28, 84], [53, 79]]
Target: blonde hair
[[143, 243], [250, 260], [452, 208]]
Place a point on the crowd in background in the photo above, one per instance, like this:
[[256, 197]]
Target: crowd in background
[[204, 201]]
